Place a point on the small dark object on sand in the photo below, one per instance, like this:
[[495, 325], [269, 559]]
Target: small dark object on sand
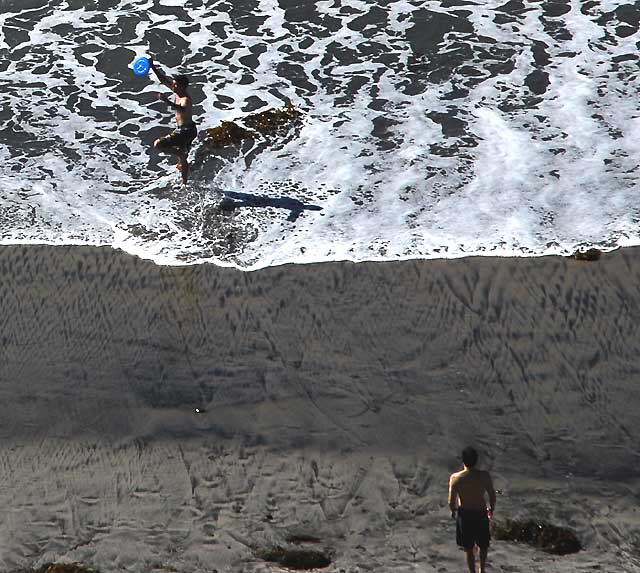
[[589, 255], [299, 559], [549, 538], [298, 538]]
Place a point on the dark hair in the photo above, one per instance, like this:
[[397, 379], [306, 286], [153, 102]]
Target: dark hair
[[469, 457], [182, 80]]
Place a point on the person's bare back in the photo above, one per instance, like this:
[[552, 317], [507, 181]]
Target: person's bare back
[[471, 485]]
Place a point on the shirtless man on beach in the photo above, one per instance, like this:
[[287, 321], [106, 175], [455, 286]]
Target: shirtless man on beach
[[467, 489], [179, 140]]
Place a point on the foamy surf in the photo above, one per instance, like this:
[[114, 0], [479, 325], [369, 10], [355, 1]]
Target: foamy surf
[[429, 130]]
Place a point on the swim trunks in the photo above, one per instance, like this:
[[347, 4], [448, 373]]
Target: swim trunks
[[181, 137], [472, 528]]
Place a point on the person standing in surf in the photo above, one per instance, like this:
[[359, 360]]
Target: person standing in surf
[[179, 140], [467, 489]]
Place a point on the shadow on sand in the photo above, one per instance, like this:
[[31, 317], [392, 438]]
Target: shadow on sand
[[233, 200]]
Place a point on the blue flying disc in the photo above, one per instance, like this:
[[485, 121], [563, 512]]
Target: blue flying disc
[[141, 66]]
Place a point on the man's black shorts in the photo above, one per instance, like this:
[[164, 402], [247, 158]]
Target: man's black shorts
[[181, 137], [472, 528]]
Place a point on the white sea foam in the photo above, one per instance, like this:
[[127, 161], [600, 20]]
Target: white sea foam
[[428, 131]]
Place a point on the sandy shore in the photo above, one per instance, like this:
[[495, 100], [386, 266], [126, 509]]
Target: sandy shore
[[334, 399]]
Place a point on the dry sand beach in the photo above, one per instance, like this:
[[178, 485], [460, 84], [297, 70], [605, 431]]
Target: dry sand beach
[[334, 400]]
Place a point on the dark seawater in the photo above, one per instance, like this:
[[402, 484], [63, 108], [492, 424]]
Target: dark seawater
[[430, 128]]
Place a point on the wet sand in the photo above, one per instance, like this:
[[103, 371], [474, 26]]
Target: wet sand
[[334, 399]]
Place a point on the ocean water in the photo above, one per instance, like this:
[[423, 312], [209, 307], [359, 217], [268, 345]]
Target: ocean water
[[438, 128]]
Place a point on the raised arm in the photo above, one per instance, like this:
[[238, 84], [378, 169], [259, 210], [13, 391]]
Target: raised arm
[[164, 78]]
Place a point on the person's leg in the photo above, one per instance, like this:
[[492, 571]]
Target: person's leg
[[169, 144], [166, 145], [471, 559], [185, 144], [483, 558], [183, 166]]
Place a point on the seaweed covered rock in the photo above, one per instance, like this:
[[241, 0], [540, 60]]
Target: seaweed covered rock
[[269, 122], [64, 568], [273, 120], [588, 255], [226, 134], [544, 536], [299, 559]]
